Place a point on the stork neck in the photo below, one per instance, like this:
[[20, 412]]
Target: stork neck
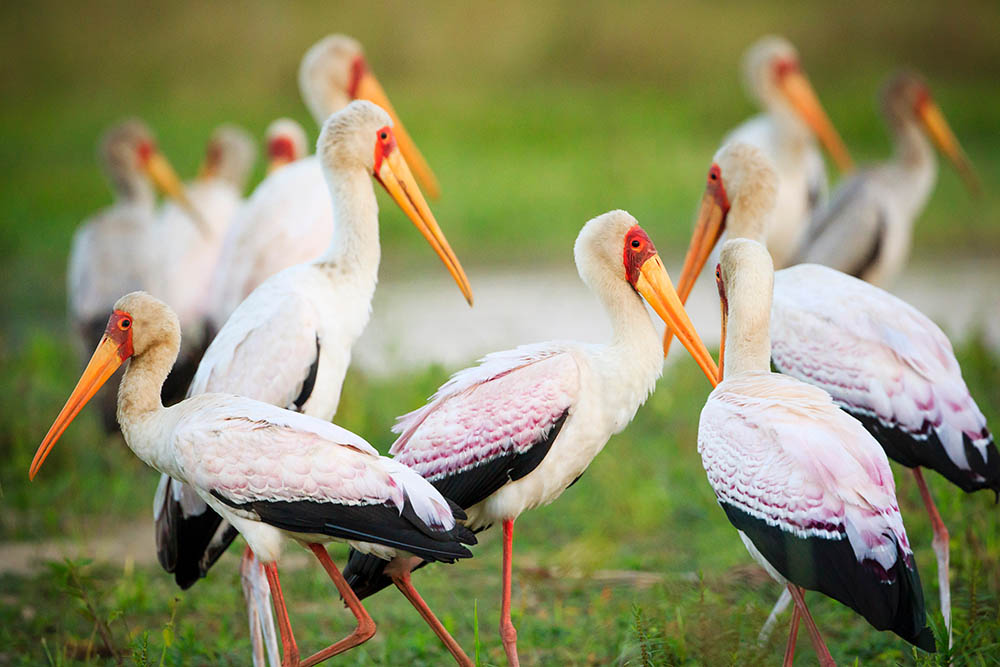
[[914, 166], [748, 331], [133, 188], [139, 395], [743, 223], [354, 245], [634, 333]]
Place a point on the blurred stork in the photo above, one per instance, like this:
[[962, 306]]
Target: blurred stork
[[273, 474], [808, 488], [111, 253], [866, 228], [288, 219], [880, 359], [784, 132], [289, 342], [286, 142], [516, 431], [186, 256]]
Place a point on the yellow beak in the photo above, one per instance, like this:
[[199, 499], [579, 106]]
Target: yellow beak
[[166, 180], [395, 177], [800, 93], [707, 230], [937, 127], [102, 366], [655, 287], [368, 88]]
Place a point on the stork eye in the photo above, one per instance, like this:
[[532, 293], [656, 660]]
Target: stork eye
[[714, 176], [383, 135], [125, 324], [636, 243]]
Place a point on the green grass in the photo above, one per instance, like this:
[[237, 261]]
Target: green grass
[[642, 507], [535, 117]]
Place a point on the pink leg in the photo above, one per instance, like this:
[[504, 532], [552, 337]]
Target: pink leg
[[793, 634], [289, 650], [405, 586], [941, 538], [822, 652], [366, 626], [507, 632]]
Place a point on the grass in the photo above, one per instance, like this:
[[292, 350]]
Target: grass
[[636, 563], [535, 117]]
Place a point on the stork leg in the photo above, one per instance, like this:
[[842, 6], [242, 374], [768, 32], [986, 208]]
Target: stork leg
[[793, 634], [822, 652], [366, 626], [940, 543], [508, 634], [289, 649], [405, 586], [779, 608], [263, 638]]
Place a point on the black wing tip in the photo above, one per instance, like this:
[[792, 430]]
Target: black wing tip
[[924, 640]]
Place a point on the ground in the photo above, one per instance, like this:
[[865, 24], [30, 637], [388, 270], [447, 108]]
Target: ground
[[536, 117]]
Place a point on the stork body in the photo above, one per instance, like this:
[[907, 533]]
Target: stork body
[[516, 431], [273, 474], [866, 229], [809, 489], [289, 220], [786, 133]]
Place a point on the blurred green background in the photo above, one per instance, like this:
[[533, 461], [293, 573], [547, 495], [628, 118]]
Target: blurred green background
[[535, 116]]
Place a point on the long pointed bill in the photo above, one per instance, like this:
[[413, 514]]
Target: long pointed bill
[[800, 93], [707, 231], [655, 287], [166, 181], [368, 88], [102, 366], [937, 127], [394, 175]]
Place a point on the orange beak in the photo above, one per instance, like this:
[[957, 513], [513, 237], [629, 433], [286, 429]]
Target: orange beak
[[800, 93], [655, 287], [106, 360], [368, 88], [394, 175], [940, 133], [707, 231], [166, 180]]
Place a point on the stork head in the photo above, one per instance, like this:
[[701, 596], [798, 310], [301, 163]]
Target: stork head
[[138, 323], [741, 189], [906, 100], [775, 78], [229, 156], [333, 72], [612, 249], [286, 142], [363, 136], [131, 158]]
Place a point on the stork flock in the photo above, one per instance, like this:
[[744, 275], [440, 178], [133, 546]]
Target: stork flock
[[240, 316]]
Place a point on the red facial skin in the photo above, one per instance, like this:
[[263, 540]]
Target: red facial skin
[[716, 188], [385, 144], [923, 97], [145, 151], [785, 66], [358, 69], [119, 330], [638, 248], [281, 148]]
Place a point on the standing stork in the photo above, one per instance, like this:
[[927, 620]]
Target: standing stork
[[881, 360], [808, 488], [186, 257], [273, 474], [111, 252], [289, 343], [516, 431], [288, 219], [866, 229], [792, 116]]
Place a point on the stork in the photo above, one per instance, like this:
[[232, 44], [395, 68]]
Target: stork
[[516, 431]]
